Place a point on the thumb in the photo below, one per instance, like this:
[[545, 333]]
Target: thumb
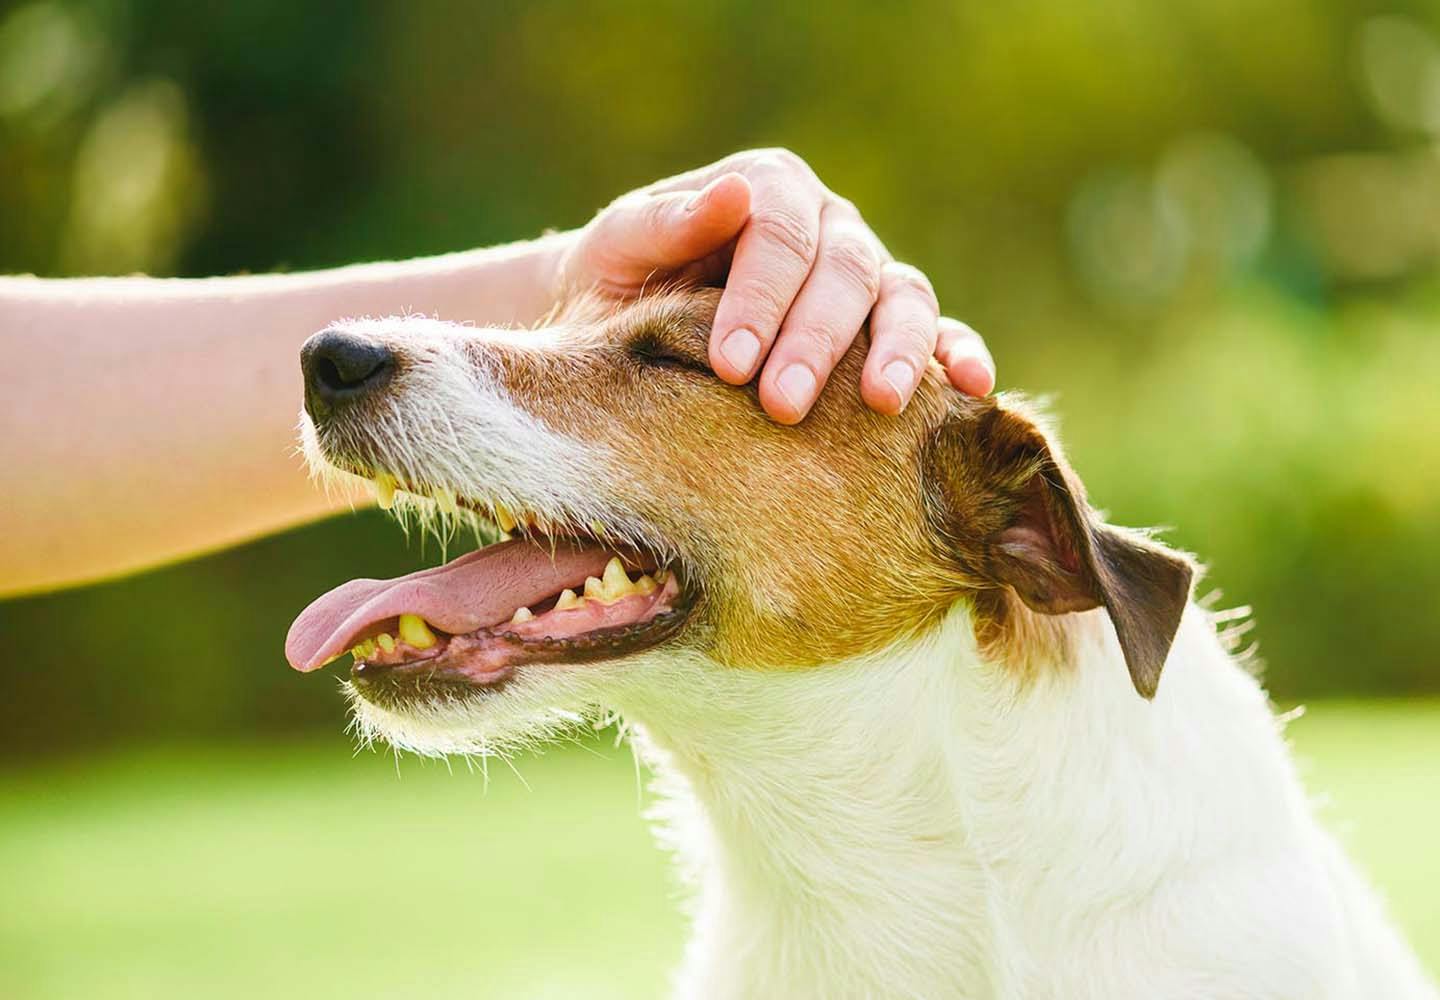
[[665, 232]]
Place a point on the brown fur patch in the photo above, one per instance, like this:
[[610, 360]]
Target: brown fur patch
[[812, 543]]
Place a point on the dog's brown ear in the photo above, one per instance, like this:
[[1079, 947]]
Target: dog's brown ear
[[1014, 515]]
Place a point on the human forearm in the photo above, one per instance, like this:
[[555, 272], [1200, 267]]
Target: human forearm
[[145, 420]]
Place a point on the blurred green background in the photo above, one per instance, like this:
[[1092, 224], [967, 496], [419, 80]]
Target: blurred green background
[[1209, 229]]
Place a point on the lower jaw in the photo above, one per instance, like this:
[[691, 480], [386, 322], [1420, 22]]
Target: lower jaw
[[399, 688], [483, 663]]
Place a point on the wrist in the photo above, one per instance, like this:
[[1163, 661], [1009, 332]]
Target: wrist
[[515, 284], [522, 282], [551, 269]]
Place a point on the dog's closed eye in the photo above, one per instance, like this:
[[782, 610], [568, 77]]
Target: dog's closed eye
[[655, 350]]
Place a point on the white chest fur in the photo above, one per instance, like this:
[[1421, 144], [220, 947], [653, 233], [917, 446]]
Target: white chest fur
[[923, 824]]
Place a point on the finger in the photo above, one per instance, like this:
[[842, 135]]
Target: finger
[[642, 234], [739, 162], [902, 338], [826, 316], [967, 360], [773, 256]]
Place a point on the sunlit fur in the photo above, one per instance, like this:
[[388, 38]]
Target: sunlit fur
[[866, 799], [923, 823]]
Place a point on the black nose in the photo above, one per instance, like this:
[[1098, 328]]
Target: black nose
[[341, 367]]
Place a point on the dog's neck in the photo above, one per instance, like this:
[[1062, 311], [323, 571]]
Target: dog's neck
[[890, 826]]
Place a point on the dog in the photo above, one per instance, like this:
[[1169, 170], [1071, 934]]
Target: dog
[[923, 724]]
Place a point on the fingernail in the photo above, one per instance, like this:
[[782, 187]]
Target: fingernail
[[742, 349], [900, 377], [797, 385], [975, 376], [699, 197]]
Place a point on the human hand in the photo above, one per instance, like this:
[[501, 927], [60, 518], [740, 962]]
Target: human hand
[[804, 272]]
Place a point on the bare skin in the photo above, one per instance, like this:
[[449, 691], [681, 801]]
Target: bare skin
[[147, 420]]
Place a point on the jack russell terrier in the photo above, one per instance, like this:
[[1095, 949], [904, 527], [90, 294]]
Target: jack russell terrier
[[924, 725]]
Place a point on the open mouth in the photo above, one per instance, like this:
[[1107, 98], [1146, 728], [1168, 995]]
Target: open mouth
[[546, 596]]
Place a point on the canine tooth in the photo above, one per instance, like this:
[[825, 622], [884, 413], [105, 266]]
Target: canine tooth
[[568, 600], [521, 615], [445, 500], [646, 584], [364, 650], [385, 490], [597, 529], [415, 632], [617, 581], [661, 575], [504, 518], [386, 642], [595, 587]]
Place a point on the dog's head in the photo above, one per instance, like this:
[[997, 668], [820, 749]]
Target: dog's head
[[656, 511]]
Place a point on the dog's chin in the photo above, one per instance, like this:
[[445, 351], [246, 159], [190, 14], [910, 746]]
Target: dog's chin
[[532, 706]]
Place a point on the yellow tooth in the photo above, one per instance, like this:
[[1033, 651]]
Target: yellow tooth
[[617, 581], [661, 575], [597, 529], [504, 518], [358, 652], [364, 650], [568, 600], [595, 587], [646, 584], [521, 615], [385, 490], [415, 632], [386, 642], [445, 500]]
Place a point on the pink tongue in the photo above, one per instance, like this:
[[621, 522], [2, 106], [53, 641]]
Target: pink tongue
[[475, 591]]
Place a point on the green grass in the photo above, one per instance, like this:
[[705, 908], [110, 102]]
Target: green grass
[[299, 871]]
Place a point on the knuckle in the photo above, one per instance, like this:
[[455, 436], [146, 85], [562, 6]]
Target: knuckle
[[785, 159], [626, 212], [958, 333], [912, 338], [823, 340], [781, 165], [789, 230], [857, 260], [899, 278], [654, 214], [767, 294]]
